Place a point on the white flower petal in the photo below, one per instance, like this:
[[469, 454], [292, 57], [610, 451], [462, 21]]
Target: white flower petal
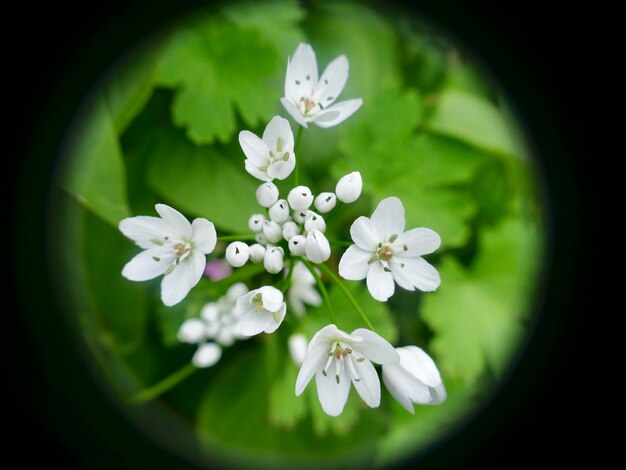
[[191, 331], [177, 221], [254, 171], [353, 264], [418, 241], [368, 387], [332, 395], [203, 235], [301, 72], [144, 266], [207, 355], [416, 273], [380, 282], [388, 218], [272, 298], [364, 234], [143, 229], [315, 359], [278, 128], [293, 110], [254, 322], [332, 81], [176, 285], [438, 394], [281, 169], [420, 365], [375, 347], [337, 113], [277, 319], [255, 149], [396, 380]]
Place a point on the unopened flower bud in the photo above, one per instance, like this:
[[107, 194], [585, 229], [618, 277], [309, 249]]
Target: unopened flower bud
[[267, 194], [314, 221], [255, 222], [290, 230], [272, 231], [260, 238], [300, 197], [207, 355], [317, 247], [279, 212], [273, 260], [349, 187], [325, 202], [297, 245], [191, 331], [237, 254], [297, 348], [300, 215], [257, 252]]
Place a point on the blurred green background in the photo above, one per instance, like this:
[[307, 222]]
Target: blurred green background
[[434, 130]]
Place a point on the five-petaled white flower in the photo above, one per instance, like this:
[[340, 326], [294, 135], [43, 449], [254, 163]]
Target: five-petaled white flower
[[302, 290], [415, 379], [384, 253], [338, 359], [173, 247], [260, 310], [272, 156], [308, 99]]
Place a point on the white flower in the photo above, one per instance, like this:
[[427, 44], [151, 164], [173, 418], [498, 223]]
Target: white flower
[[255, 222], [300, 215], [302, 290], [308, 99], [290, 230], [221, 318], [415, 379], [297, 245], [192, 331], [384, 253], [273, 260], [237, 254], [272, 156], [257, 252], [317, 248], [349, 187], [325, 202], [279, 212], [297, 348], [300, 198], [338, 359], [206, 355], [260, 238], [272, 230], [314, 221], [267, 194], [173, 247], [261, 310]]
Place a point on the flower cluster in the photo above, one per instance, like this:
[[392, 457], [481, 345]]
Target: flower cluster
[[288, 237]]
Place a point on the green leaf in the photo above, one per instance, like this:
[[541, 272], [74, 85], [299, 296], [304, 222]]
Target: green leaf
[[217, 67], [120, 306], [94, 170], [474, 120], [477, 314], [285, 408], [131, 82]]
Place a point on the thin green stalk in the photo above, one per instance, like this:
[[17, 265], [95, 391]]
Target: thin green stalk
[[235, 238], [348, 294], [287, 281], [296, 150], [334, 211], [322, 289], [164, 385]]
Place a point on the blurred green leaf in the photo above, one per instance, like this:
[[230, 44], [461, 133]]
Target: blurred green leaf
[[477, 313], [120, 306], [285, 408], [474, 120], [492, 191], [217, 66]]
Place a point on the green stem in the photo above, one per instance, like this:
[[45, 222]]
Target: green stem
[[348, 294], [164, 385], [296, 150], [235, 238], [287, 280], [322, 288], [334, 211]]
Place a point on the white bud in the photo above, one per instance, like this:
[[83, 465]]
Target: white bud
[[255, 222], [297, 245], [325, 202], [297, 348], [349, 187], [257, 252], [207, 355], [300, 197], [210, 312], [191, 331], [273, 260], [260, 238], [279, 212], [300, 215], [272, 231], [290, 230], [237, 254], [317, 247], [237, 290], [314, 221], [267, 194]]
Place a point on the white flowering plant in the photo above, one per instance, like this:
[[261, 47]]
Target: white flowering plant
[[271, 219]]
